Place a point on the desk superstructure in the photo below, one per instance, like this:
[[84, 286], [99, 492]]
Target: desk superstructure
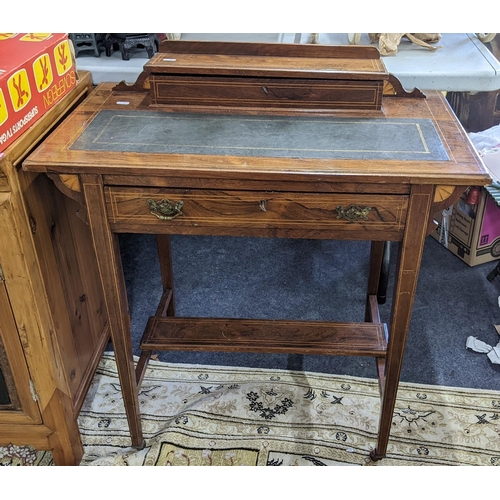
[[262, 140]]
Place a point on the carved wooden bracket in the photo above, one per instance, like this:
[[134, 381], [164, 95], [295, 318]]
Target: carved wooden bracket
[[142, 83], [444, 197], [393, 87], [70, 186]]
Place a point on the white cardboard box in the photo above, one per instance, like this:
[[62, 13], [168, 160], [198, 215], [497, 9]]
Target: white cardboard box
[[472, 232]]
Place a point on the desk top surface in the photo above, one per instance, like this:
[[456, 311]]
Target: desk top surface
[[449, 158]]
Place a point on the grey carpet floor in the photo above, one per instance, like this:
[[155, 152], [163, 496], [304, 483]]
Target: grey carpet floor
[[320, 280]]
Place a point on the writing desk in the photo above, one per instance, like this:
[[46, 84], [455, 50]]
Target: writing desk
[[263, 140]]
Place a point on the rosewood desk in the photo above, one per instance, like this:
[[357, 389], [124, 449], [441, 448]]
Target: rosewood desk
[[262, 140]]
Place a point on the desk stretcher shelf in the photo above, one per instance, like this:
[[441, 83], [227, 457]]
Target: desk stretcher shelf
[[165, 332], [262, 140], [248, 335]]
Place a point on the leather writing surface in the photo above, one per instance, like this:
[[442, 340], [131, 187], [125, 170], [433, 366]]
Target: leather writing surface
[[268, 136]]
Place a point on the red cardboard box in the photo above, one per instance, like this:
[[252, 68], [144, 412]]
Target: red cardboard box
[[36, 71]]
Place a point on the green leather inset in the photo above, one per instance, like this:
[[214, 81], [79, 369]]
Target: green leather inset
[[267, 136]]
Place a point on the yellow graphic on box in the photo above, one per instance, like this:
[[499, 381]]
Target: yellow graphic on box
[[62, 57], [6, 36], [35, 37], [19, 89], [42, 69], [4, 113]]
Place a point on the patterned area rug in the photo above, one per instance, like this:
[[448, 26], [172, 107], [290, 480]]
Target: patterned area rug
[[200, 415]]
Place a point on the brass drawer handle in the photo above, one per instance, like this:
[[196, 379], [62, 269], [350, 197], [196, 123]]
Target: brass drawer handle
[[165, 209], [352, 213]]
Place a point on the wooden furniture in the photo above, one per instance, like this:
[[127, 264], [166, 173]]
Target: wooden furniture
[[53, 322], [127, 41], [264, 140], [479, 111], [84, 42]]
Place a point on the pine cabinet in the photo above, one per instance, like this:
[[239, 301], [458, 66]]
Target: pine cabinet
[[53, 324]]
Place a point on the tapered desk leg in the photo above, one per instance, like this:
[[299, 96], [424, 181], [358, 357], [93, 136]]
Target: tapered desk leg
[[372, 314], [408, 265], [376, 261], [380, 256], [167, 276], [113, 283], [384, 275]]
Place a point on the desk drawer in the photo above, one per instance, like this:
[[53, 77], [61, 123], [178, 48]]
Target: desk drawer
[[265, 92], [264, 213]]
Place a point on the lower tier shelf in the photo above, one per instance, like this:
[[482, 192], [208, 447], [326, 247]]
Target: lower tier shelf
[[267, 336]]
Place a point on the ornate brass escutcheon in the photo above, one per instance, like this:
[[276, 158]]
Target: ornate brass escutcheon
[[352, 213], [165, 209]]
